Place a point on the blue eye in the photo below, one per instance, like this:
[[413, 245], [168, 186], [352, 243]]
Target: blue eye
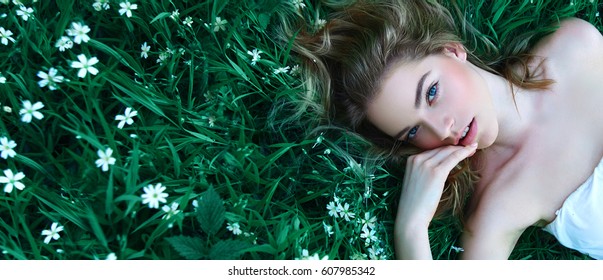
[[432, 93], [412, 133]]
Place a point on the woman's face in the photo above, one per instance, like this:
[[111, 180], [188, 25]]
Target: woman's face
[[440, 100]]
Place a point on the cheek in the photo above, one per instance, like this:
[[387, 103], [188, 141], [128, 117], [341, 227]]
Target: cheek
[[427, 142]]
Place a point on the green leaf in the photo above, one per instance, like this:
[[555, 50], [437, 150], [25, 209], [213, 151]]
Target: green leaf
[[264, 20], [227, 249], [190, 248], [211, 213]]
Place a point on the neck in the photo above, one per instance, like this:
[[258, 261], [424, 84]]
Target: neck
[[512, 112]]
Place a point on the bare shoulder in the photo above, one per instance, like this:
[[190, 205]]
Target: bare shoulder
[[500, 215], [574, 39]]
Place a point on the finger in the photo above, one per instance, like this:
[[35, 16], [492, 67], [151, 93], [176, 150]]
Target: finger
[[444, 152], [457, 156]]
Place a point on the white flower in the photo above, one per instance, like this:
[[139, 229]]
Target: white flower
[[299, 4], [175, 14], [79, 32], [5, 36], [345, 212], [255, 55], [320, 23], [50, 79], [2, 79], [153, 195], [188, 21], [53, 233], [375, 253], [24, 12], [328, 228], [144, 50], [6, 146], [12, 180], [64, 43], [170, 210], [333, 210], [295, 69], [220, 24], [368, 220], [234, 227], [306, 256], [111, 257], [85, 65], [30, 111], [126, 118], [104, 159], [368, 235], [126, 8], [101, 4], [281, 70], [162, 57], [457, 249], [211, 120]]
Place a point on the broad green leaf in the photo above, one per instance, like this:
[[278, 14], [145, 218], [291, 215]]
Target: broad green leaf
[[227, 249], [190, 248], [211, 212]]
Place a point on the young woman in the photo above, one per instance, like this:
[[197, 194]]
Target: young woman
[[520, 135]]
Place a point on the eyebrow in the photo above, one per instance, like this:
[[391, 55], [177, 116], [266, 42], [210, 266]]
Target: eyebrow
[[417, 101]]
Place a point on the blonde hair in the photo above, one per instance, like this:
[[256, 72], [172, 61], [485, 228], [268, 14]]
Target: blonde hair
[[346, 61]]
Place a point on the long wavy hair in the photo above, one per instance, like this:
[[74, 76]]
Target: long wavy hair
[[346, 61]]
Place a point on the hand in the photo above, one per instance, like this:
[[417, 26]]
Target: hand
[[424, 180]]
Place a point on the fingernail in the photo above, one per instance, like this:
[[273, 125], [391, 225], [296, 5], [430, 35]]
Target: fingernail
[[473, 145]]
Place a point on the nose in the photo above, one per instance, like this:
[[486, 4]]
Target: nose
[[441, 125]]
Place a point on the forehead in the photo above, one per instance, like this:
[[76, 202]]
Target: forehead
[[395, 100]]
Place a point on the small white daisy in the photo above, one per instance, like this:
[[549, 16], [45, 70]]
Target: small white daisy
[[5, 36], [105, 159], [281, 70], [50, 79], [12, 180], [255, 55], [53, 233], [188, 21], [333, 210], [153, 195], [346, 214], [170, 210], [126, 8], [299, 4], [85, 65], [30, 111], [220, 24], [126, 118], [64, 43], [79, 32], [234, 228], [101, 5], [144, 50], [25, 12], [7, 146]]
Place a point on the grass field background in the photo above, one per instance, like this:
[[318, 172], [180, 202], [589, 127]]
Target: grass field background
[[162, 130]]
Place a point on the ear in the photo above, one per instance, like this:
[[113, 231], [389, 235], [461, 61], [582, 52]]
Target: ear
[[455, 50]]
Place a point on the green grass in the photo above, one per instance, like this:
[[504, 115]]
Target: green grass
[[210, 127]]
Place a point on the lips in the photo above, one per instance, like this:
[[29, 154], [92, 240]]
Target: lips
[[470, 137]]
